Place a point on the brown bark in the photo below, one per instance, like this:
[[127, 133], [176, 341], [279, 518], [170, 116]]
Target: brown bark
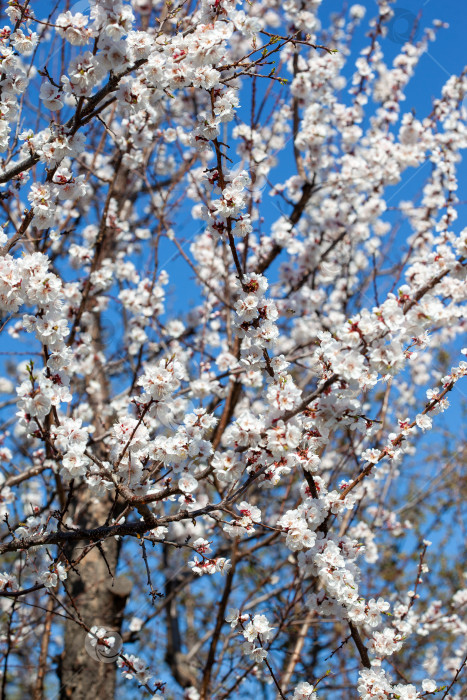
[[97, 599], [39, 686]]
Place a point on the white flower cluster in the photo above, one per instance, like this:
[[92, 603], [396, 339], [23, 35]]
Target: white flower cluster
[[134, 667], [243, 525], [14, 80], [375, 683], [210, 566], [304, 691], [256, 631], [29, 282], [256, 316], [334, 564], [53, 575], [44, 196]]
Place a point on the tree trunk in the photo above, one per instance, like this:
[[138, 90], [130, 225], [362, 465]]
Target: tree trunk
[[93, 601]]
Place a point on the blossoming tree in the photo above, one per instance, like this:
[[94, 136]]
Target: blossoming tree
[[231, 497]]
